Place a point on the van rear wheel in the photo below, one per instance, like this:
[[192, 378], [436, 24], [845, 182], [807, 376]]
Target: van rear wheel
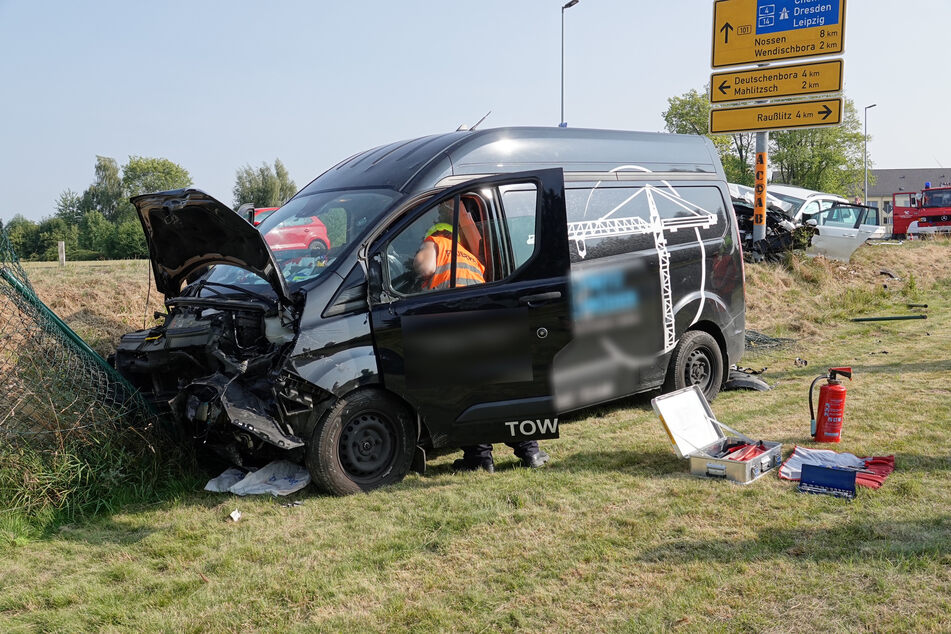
[[697, 360], [364, 442]]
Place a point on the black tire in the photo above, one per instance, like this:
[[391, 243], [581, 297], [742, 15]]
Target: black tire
[[366, 441], [697, 360], [318, 248]]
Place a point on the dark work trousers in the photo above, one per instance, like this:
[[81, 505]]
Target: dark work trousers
[[478, 453]]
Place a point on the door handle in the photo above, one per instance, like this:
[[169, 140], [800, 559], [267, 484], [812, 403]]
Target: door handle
[[540, 298]]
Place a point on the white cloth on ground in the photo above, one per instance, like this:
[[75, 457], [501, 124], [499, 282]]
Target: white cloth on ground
[[280, 477], [791, 469]]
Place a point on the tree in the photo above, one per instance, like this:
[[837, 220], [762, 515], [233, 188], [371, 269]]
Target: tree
[[690, 114], [106, 194], [69, 207], [24, 236], [143, 175], [130, 241], [825, 159], [287, 187], [264, 186], [52, 231], [97, 234]]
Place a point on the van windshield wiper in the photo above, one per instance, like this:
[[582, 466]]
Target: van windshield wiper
[[232, 287]]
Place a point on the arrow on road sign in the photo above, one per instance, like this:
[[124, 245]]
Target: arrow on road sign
[[725, 29], [723, 87], [785, 115]]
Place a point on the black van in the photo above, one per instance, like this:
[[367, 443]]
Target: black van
[[578, 266]]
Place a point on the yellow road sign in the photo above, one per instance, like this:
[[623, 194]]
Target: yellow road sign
[[757, 31], [811, 78], [776, 116]]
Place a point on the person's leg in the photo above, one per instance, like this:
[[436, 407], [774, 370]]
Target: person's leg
[[529, 453], [475, 457]]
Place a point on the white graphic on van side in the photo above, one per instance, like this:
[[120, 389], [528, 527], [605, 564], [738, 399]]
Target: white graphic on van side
[[531, 427], [605, 227]]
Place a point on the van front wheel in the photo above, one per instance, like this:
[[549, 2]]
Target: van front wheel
[[364, 442], [696, 360]]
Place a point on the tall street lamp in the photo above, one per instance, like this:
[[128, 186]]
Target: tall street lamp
[[567, 5], [865, 191]]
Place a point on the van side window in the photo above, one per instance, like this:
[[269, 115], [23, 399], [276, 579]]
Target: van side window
[[519, 202], [605, 221], [465, 241]]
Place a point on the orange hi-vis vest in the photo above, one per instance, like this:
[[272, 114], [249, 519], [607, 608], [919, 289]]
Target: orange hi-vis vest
[[469, 270]]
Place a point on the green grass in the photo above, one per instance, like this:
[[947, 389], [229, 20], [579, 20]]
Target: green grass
[[612, 535]]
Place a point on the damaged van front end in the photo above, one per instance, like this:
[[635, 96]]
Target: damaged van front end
[[215, 361], [226, 362]]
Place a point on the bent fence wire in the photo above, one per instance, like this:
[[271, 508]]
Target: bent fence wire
[[57, 397], [756, 340]]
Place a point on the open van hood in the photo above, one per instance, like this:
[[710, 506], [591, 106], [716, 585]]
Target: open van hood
[[186, 230]]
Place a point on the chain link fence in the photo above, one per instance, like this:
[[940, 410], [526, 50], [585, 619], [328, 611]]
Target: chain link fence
[[72, 430]]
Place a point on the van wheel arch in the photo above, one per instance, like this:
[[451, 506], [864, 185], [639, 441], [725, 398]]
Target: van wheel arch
[[711, 329], [699, 358], [365, 440]]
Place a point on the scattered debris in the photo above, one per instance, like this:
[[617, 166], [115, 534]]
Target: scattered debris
[[892, 318], [288, 505], [800, 363], [749, 370], [235, 515], [744, 379], [880, 352], [889, 274], [917, 305], [204, 578]]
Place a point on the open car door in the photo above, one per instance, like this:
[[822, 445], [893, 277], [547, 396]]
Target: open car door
[[471, 347], [842, 229]]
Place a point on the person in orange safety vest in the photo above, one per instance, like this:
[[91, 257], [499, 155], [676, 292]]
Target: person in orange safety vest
[[433, 261]]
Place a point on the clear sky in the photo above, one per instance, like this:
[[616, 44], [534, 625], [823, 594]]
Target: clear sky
[[215, 85]]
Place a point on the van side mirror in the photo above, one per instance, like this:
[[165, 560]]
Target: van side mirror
[[246, 211]]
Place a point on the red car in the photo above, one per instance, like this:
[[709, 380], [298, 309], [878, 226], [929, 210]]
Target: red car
[[294, 232]]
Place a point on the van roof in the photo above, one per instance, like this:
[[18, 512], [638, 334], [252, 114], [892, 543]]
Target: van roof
[[418, 164]]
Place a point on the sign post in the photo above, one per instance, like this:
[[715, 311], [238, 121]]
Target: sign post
[[747, 32]]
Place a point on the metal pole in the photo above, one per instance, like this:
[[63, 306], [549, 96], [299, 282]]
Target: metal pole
[[865, 135], [567, 5], [561, 122], [759, 201]]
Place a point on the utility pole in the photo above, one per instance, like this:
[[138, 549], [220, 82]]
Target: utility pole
[[567, 5], [865, 135]]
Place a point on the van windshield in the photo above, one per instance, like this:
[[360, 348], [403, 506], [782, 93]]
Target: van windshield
[[311, 231]]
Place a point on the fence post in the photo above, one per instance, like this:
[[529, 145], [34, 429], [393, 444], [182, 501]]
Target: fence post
[[62, 253]]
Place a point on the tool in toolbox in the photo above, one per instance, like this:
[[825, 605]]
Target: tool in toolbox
[[713, 449], [835, 481], [828, 426]]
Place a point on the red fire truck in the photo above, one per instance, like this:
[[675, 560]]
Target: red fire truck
[[925, 212]]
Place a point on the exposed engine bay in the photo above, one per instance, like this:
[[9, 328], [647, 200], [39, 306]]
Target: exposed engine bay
[[216, 365]]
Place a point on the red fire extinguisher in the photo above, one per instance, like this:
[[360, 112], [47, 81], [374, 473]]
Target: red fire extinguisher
[[828, 426]]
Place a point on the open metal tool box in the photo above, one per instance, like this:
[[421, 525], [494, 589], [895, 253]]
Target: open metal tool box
[[697, 435]]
